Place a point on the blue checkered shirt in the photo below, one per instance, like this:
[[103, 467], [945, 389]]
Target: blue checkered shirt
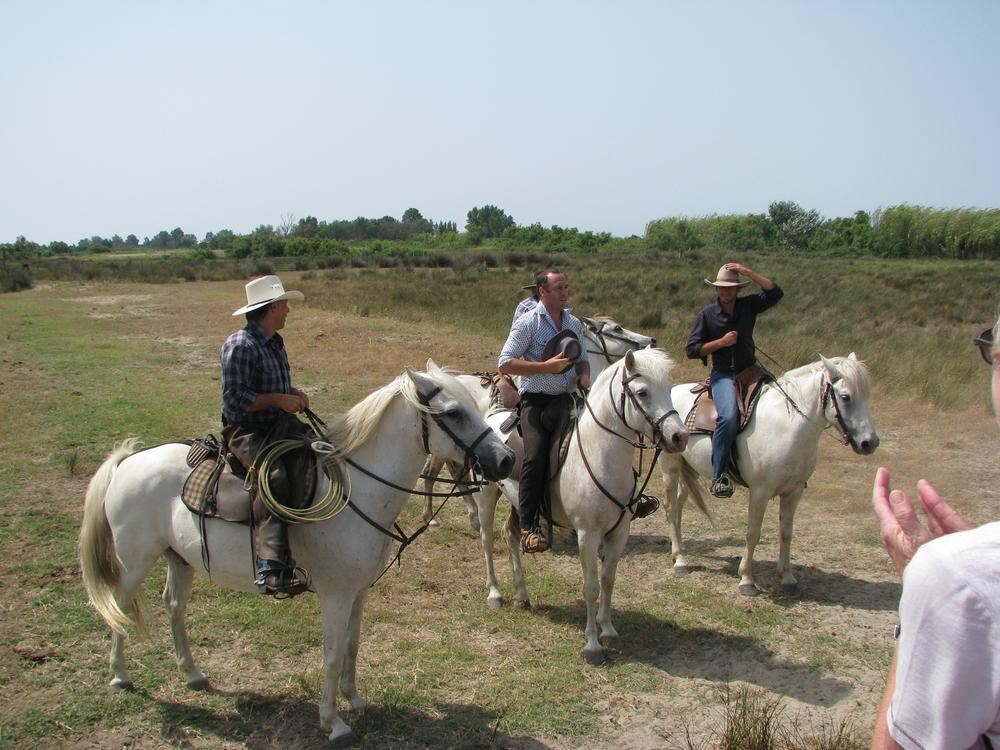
[[252, 363], [529, 334]]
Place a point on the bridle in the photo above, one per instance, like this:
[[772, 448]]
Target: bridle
[[597, 330], [471, 463], [657, 429], [839, 424]]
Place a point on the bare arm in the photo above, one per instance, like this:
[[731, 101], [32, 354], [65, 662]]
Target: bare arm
[[880, 736], [762, 281], [552, 366], [288, 402]]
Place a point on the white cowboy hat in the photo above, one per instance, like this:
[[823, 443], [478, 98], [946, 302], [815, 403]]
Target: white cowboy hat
[[726, 277], [265, 290]]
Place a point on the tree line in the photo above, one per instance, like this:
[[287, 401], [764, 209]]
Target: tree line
[[897, 231]]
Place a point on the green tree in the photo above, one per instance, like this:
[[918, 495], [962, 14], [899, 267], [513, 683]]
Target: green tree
[[794, 225], [488, 221]]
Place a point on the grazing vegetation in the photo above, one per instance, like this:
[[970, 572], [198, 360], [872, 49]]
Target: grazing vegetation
[[107, 348]]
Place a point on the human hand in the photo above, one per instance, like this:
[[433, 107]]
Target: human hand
[[728, 339], [557, 364], [901, 530], [290, 403], [303, 398], [738, 267]]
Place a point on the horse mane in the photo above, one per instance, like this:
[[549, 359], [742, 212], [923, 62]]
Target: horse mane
[[854, 371], [655, 364], [351, 430]]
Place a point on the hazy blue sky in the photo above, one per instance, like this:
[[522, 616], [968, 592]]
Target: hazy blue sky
[[132, 117]]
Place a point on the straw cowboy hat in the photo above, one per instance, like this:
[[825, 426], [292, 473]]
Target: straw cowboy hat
[[726, 277], [566, 343], [264, 291]]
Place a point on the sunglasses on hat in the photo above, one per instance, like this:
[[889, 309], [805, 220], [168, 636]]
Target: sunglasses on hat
[[985, 343]]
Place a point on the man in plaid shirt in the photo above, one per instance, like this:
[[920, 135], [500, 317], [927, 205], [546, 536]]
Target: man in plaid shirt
[[258, 404], [544, 381]]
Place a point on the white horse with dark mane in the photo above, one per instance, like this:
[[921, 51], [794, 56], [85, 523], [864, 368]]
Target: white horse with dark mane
[[595, 491], [134, 514], [776, 452], [606, 341]]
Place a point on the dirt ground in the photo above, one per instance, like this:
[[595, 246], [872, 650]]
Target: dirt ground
[[849, 590]]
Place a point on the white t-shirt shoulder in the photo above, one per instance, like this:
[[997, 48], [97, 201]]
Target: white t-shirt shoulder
[[947, 692]]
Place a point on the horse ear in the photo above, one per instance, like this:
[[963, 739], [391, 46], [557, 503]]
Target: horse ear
[[423, 383], [831, 367], [629, 360], [432, 366], [853, 356]]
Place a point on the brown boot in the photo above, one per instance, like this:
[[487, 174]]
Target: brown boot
[[533, 540], [282, 583]]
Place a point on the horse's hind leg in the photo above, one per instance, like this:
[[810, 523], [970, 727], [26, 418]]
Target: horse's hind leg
[[675, 493], [789, 502], [432, 467], [513, 536], [755, 518], [128, 593], [175, 597], [336, 611]]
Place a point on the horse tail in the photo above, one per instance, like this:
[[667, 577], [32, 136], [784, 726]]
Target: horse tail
[[690, 479], [102, 568]]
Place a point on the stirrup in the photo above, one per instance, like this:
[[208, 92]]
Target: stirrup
[[533, 540], [283, 583], [646, 506]]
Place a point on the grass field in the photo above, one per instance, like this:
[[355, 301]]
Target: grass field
[[86, 365]]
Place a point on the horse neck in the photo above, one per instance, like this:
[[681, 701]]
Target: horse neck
[[805, 391], [394, 453], [612, 450]]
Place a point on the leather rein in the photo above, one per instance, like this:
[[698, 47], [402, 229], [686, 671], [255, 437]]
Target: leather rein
[[471, 462], [657, 426], [599, 335]]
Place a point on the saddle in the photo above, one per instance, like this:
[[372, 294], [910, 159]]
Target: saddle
[[503, 391], [750, 383], [217, 488]]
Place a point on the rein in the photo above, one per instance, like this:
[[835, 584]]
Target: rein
[[598, 333], [657, 426], [397, 533]]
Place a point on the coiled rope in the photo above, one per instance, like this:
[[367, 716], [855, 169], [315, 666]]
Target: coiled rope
[[335, 499]]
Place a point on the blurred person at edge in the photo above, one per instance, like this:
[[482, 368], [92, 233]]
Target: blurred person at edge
[[943, 688]]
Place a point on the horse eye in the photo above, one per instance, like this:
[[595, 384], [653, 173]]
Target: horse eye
[[845, 397], [618, 329], [642, 393]]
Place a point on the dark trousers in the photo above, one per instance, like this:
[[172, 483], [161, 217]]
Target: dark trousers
[[270, 533], [537, 438]]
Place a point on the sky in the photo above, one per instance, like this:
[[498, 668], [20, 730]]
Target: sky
[[136, 117]]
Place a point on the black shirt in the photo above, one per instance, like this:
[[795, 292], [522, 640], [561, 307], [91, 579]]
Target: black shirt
[[713, 323]]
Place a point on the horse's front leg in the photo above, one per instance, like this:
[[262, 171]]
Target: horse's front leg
[[614, 545], [589, 543], [175, 598], [789, 502], [513, 536], [348, 675], [755, 517], [336, 610]]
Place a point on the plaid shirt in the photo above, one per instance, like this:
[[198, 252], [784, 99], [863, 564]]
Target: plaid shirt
[[252, 363], [529, 334]]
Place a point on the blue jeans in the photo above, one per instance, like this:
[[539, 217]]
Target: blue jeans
[[727, 423]]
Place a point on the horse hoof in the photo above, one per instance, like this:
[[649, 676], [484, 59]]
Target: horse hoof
[[495, 602], [118, 685], [790, 589], [748, 589], [594, 658], [681, 570], [522, 603], [611, 641], [434, 523], [199, 683]]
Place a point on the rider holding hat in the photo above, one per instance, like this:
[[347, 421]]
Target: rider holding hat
[[724, 330], [544, 349]]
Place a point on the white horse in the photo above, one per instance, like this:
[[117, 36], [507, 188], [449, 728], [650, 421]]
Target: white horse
[[133, 514], [595, 489], [776, 452], [606, 342]]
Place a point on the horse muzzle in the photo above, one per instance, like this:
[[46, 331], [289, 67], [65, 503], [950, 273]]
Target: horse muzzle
[[499, 466], [866, 446], [674, 440]]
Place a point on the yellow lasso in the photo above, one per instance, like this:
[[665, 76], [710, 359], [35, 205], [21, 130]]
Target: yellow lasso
[[325, 508]]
